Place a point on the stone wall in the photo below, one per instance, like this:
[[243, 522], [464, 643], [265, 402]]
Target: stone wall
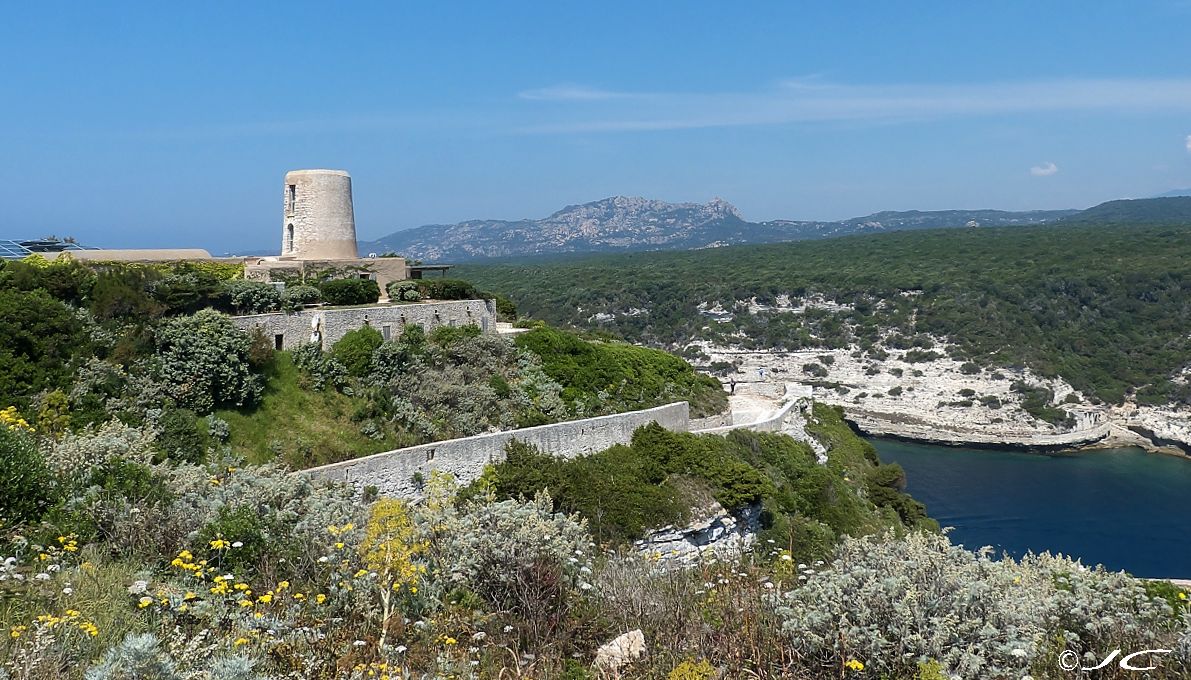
[[289, 331], [392, 473]]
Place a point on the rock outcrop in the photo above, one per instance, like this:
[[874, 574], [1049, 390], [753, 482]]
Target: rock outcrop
[[715, 531], [944, 401], [611, 658]]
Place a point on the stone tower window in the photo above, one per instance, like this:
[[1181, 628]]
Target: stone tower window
[[291, 198], [289, 238]]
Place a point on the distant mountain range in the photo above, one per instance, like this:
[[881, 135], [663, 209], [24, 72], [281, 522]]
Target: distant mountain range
[[624, 223]]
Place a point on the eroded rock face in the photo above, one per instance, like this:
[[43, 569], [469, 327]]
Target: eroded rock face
[[620, 652], [715, 531], [940, 399]]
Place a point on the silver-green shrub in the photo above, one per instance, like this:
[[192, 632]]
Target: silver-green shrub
[[76, 453], [495, 548], [890, 604]]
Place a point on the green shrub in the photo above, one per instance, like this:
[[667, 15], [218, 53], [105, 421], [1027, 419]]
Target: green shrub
[[815, 370], [206, 362], [354, 350], [323, 370], [41, 343], [182, 436], [403, 291], [444, 336], [240, 524], [27, 486], [252, 297], [447, 289], [607, 377], [350, 291], [298, 296]]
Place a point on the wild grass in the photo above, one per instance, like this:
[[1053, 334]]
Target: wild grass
[[301, 426]]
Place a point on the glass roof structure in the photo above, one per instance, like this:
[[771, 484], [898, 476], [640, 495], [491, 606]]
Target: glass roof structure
[[16, 250]]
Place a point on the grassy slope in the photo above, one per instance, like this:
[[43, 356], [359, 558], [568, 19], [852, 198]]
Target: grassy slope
[[306, 427]]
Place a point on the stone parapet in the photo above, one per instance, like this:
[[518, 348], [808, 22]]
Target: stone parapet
[[397, 473], [289, 331]]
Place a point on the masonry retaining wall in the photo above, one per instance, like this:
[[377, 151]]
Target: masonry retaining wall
[[392, 472], [292, 330]]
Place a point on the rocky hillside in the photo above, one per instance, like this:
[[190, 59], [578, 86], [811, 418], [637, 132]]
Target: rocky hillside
[[622, 223], [611, 224], [625, 223]]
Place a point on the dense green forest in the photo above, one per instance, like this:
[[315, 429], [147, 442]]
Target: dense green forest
[[1106, 307]]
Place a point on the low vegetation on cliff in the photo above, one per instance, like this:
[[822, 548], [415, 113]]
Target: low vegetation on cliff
[[662, 476], [116, 563], [1105, 307]]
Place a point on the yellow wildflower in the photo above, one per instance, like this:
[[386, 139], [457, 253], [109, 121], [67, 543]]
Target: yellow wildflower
[[855, 665], [144, 602], [220, 544], [240, 641], [320, 598]]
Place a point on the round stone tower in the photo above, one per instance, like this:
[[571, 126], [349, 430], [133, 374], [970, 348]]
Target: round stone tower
[[318, 222]]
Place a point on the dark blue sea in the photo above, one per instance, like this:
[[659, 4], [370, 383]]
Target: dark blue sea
[[1122, 508]]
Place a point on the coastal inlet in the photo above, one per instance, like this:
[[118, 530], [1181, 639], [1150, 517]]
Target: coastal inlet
[[1123, 508]]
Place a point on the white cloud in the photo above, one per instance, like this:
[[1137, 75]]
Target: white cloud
[[1044, 170], [571, 93], [819, 100], [1188, 141]]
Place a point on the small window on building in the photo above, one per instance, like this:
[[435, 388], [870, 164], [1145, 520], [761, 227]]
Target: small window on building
[[365, 276], [278, 340], [387, 331], [429, 455], [291, 198], [289, 238]]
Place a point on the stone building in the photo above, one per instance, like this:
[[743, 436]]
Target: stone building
[[318, 240], [318, 221], [318, 236]]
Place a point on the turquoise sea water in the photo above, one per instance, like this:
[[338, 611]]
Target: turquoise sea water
[[1122, 508]]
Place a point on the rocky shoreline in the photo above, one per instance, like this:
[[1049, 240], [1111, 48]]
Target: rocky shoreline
[[946, 402]]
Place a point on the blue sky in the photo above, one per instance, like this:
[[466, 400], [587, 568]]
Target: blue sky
[[172, 124]]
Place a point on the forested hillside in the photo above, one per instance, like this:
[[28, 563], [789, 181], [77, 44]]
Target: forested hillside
[[1107, 307]]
